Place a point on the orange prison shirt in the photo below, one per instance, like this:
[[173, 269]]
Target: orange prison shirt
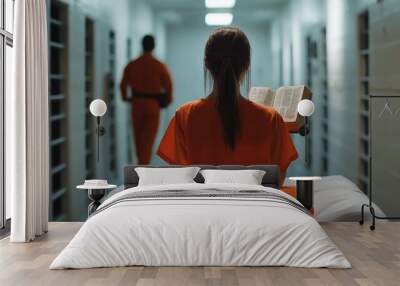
[[149, 75], [195, 136]]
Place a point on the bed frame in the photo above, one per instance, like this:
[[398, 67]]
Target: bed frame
[[270, 179]]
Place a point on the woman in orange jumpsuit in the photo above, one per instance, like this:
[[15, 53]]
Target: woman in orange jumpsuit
[[224, 127], [146, 76]]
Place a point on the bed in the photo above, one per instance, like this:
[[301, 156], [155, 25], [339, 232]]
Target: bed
[[201, 224], [336, 198]]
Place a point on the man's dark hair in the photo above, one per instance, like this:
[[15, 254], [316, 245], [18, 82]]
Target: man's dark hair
[[148, 43]]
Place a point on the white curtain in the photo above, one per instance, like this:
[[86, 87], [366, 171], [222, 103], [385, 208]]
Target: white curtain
[[27, 140]]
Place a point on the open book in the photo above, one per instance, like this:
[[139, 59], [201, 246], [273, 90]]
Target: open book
[[285, 100]]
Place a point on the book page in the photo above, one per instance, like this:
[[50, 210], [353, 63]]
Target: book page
[[286, 100], [262, 95]]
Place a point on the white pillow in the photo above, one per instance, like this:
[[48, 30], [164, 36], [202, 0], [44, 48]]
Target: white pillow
[[165, 176], [248, 177]]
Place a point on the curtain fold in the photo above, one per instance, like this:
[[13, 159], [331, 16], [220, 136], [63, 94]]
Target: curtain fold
[[27, 119]]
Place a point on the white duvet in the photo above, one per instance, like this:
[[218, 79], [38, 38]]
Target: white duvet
[[200, 231]]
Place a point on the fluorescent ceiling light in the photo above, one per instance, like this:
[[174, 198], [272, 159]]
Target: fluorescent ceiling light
[[220, 3], [218, 19]]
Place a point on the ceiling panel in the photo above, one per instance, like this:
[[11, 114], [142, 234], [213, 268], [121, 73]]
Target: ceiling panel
[[199, 4], [193, 11]]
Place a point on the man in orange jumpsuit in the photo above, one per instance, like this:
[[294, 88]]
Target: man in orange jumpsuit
[[151, 87]]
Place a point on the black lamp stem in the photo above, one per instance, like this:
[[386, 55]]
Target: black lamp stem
[[98, 138], [306, 139]]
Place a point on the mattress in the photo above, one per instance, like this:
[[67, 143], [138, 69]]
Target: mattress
[[201, 225]]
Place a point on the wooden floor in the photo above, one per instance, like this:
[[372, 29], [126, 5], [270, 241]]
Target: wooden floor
[[375, 257]]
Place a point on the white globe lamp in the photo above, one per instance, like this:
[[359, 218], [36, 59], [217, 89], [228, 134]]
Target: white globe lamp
[[98, 108], [306, 108]]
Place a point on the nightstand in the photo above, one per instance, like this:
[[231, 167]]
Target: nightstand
[[95, 194], [305, 191]]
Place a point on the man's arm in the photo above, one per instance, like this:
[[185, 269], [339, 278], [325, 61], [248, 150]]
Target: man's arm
[[166, 82], [124, 85]]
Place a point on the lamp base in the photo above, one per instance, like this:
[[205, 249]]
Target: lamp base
[[95, 196], [305, 190], [304, 130], [101, 130], [305, 193]]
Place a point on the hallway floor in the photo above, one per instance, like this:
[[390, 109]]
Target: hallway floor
[[375, 257]]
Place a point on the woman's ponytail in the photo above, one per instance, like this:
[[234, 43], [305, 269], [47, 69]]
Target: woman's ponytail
[[228, 101], [227, 57]]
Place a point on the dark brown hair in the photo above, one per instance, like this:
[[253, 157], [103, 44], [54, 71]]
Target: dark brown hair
[[227, 59]]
